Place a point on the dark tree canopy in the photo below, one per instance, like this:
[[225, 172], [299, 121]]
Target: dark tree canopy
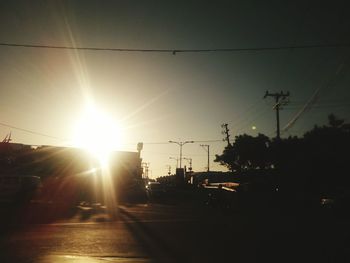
[[247, 152], [319, 161]]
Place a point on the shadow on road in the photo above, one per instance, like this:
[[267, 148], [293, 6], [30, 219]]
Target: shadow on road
[[35, 213], [153, 244]]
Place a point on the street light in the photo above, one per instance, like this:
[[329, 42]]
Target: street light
[[181, 144]]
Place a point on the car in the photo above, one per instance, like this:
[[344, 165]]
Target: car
[[155, 190]]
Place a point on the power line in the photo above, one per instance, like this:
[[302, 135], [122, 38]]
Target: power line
[[321, 107], [32, 132], [131, 143], [174, 154], [174, 51], [243, 119], [209, 141], [252, 108], [62, 139], [323, 101], [160, 143], [311, 102], [249, 122]]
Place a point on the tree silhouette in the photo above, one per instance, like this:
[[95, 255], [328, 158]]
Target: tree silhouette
[[247, 152], [227, 158], [334, 122], [327, 148], [317, 163]]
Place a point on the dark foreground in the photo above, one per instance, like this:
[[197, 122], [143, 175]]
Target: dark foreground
[[172, 232]]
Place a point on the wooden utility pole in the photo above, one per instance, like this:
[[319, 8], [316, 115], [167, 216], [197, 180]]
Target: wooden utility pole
[[225, 131], [279, 99], [206, 147]]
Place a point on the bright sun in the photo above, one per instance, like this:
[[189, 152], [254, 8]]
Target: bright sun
[[98, 133]]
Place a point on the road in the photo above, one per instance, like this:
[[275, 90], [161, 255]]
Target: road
[[182, 232]]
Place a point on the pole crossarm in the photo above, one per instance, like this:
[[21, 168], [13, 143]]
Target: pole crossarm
[[279, 97]]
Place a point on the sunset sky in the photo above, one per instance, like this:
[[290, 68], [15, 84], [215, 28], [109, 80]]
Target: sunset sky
[[155, 97]]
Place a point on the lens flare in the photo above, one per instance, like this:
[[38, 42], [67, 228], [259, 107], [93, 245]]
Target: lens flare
[[98, 133]]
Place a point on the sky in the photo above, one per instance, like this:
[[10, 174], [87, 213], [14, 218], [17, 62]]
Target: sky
[[156, 96]]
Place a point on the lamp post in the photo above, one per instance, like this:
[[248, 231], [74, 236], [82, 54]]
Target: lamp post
[[181, 144]]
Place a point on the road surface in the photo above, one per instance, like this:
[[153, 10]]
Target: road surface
[[183, 232]]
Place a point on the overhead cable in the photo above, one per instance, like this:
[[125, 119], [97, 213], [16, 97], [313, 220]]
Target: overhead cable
[[175, 51], [29, 131]]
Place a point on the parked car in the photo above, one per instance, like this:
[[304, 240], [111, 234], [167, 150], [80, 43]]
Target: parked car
[[155, 190]]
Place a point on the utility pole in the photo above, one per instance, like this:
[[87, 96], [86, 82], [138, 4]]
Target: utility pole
[[225, 131], [181, 144], [206, 148], [280, 98]]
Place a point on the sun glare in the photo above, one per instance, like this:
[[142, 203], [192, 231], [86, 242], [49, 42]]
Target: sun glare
[[98, 133]]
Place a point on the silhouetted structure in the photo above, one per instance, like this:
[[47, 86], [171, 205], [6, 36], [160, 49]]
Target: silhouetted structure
[[71, 175]]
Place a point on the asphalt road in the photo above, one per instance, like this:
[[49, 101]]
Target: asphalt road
[[182, 232]]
